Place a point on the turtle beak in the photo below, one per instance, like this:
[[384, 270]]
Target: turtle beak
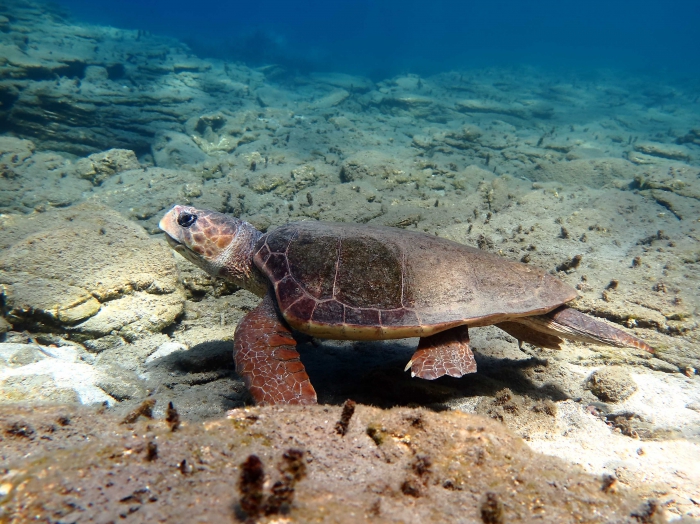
[[177, 246], [173, 232], [169, 224]]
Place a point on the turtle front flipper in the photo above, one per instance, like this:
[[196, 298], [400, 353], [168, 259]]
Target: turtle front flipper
[[266, 358], [445, 353]]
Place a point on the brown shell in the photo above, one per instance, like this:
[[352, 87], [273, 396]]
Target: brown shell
[[349, 281]]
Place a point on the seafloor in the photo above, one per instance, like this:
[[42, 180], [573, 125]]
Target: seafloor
[[592, 176]]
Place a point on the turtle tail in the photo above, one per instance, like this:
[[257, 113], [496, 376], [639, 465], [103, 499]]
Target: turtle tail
[[565, 322]]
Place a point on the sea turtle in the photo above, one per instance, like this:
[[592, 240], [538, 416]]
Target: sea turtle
[[359, 282]]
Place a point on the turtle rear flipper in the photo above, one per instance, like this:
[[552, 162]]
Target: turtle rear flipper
[[523, 333], [566, 322], [267, 360], [445, 353]]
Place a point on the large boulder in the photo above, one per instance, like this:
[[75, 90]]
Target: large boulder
[[86, 271]]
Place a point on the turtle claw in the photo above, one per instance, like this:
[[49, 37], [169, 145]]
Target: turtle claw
[[446, 353]]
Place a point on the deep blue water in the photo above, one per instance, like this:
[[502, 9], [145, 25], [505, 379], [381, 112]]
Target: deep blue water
[[383, 37]]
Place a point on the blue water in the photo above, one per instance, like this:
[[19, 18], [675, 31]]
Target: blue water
[[385, 37]]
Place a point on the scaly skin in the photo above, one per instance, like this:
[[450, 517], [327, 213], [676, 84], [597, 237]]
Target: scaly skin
[[266, 359], [445, 353]]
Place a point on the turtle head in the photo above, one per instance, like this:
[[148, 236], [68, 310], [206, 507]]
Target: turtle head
[[221, 245]]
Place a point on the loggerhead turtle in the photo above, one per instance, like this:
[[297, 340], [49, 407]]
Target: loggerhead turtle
[[359, 282]]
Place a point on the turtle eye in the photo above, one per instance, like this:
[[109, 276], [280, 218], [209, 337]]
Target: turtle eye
[[186, 219]]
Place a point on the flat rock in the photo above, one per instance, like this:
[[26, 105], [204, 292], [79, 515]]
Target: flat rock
[[173, 149], [344, 81], [670, 151], [488, 106], [40, 374], [332, 99]]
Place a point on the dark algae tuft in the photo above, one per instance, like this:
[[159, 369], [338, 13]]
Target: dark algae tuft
[[341, 427], [250, 486], [491, 509]]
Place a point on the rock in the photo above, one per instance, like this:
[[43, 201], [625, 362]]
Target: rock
[[32, 180], [472, 177], [270, 96], [669, 151], [408, 105], [35, 389], [164, 350], [5, 326], [680, 206], [488, 106], [221, 132], [184, 64], [98, 345], [133, 316], [100, 166], [95, 73], [469, 133], [592, 173], [640, 159], [89, 271], [348, 82], [332, 99], [504, 191], [74, 89], [15, 355], [409, 101], [172, 149], [368, 164], [121, 384], [124, 193], [48, 374], [679, 179], [693, 136], [611, 384], [408, 83]]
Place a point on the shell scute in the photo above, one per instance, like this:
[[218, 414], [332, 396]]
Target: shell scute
[[398, 317], [330, 312], [277, 266], [301, 310], [288, 292], [362, 317], [377, 268], [313, 261]]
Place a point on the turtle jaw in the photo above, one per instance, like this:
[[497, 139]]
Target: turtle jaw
[[183, 250], [177, 246]]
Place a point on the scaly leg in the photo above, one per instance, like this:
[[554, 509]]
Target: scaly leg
[[445, 353], [267, 360], [524, 333], [568, 323]]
